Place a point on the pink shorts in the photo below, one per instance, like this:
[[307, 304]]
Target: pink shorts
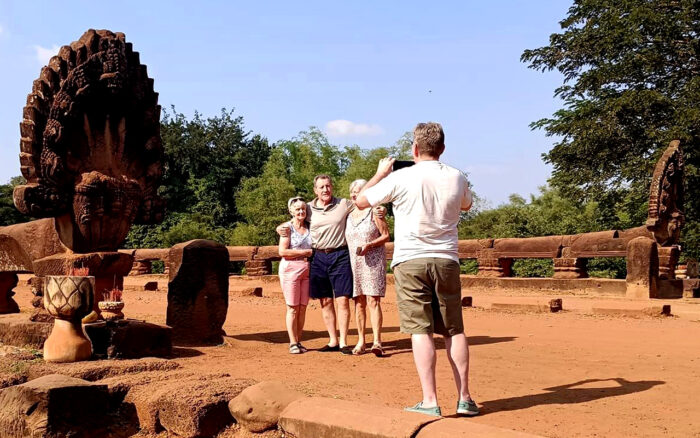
[[294, 278]]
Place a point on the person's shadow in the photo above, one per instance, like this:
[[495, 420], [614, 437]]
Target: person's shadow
[[568, 394]]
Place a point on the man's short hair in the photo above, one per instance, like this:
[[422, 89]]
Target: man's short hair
[[322, 176], [429, 139]]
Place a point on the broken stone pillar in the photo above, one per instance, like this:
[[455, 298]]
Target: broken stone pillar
[[198, 291], [668, 258], [642, 268], [8, 281], [257, 268], [490, 265]]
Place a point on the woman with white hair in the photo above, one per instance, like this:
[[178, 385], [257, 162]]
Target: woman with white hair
[[366, 235], [294, 272]]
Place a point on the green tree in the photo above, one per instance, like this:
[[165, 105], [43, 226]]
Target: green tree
[[631, 85], [8, 212], [205, 162]]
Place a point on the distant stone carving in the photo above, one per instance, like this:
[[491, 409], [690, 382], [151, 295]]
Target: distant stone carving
[[666, 198]]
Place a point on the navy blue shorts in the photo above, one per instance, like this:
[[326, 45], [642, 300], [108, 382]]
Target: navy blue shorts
[[331, 274]]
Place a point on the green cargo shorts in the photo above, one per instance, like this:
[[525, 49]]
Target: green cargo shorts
[[429, 296]]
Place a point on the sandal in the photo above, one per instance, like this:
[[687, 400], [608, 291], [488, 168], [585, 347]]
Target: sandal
[[346, 350], [294, 349], [377, 350], [359, 351], [302, 348]]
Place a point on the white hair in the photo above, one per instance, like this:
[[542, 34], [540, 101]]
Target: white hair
[[357, 182]]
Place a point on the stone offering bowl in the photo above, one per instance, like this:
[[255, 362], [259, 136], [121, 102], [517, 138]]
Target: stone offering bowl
[[111, 310]]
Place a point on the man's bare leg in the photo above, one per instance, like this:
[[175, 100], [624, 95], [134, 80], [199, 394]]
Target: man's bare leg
[[457, 348], [360, 318], [328, 312], [343, 319], [424, 357]]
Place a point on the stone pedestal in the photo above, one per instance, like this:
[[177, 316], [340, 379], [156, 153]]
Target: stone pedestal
[[490, 265], [68, 299], [668, 258], [8, 280], [197, 292], [256, 268], [570, 267], [141, 267], [642, 268]]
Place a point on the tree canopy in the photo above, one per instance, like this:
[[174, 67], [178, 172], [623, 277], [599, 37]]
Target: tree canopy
[[631, 85]]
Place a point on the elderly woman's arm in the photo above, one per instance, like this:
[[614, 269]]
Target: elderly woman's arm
[[383, 235], [291, 253]]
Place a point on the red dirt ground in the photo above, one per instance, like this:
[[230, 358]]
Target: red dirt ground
[[559, 375]]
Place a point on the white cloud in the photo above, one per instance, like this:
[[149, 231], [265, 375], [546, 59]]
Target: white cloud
[[343, 128], [43, 54]]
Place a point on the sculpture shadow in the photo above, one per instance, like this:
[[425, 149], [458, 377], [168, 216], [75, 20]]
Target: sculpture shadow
[[569, 394], [403, 345]]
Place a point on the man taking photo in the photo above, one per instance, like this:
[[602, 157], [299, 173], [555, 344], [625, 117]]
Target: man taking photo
[[428, 199]]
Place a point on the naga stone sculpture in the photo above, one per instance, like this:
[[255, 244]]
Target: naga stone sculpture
[[91, 153], [91, 150]]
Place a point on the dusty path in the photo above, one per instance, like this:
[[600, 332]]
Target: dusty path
[[551, 374]]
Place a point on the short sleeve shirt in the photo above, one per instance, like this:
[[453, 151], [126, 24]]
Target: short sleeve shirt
[[427, 199], [328, 223]]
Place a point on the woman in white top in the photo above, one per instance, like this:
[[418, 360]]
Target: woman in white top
[[294, 272]]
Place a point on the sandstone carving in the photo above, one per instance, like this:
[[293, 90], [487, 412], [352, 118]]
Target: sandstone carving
[[91, 153]]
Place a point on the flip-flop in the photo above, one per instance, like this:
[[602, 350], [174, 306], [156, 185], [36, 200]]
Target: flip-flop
[[377, 350], [327, 348], [302, 348], [346, 350]]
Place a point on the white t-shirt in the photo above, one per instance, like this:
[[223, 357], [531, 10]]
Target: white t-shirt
[[428, 199]]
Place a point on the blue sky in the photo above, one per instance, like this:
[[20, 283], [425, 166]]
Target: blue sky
[[363, 72]]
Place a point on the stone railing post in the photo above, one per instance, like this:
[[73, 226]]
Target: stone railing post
[[257, 268], [490, 265], [141, 267], [567, 266], [668, 258]]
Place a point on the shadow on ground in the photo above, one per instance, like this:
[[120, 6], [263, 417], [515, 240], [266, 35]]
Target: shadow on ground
[[569, 394], [397, 346]]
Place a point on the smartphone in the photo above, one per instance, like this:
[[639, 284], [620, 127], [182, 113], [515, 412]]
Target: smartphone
[[400, 164]]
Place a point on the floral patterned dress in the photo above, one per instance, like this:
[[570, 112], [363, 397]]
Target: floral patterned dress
[[368, 271]]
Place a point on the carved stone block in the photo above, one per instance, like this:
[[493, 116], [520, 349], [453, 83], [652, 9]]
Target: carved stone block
[[198, 291]]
